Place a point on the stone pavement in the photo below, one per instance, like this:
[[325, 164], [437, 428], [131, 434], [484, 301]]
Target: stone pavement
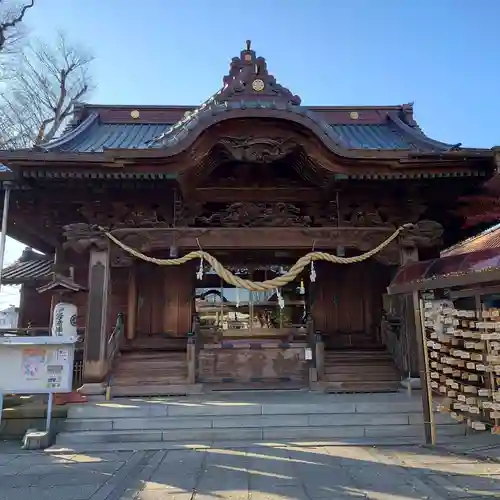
[[249, 472]]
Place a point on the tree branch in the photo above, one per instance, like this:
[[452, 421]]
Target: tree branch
[[7, 25], [39, 98]]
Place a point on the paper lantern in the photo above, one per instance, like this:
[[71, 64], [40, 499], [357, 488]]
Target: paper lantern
[[64, 320]]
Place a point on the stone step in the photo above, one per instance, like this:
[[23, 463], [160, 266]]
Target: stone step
[[250, 433], [123, 389], [250, 421], [179, 408], [258, 417]]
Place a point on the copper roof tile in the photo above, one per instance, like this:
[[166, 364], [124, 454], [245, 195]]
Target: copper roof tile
[[488, 239], [100, 136]]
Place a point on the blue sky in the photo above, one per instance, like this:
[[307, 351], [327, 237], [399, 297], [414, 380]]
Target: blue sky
[[442, 54]]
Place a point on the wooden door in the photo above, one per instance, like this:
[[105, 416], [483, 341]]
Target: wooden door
[[347, 302], [165, 299]]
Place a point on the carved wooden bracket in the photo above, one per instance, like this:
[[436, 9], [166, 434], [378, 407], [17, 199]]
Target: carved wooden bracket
[[81, 237], [425, 233]]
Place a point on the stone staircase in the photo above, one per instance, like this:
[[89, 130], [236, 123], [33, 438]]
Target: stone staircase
[[360, 371], [242, 417]]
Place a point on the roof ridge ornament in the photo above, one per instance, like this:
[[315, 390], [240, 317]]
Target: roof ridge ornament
[[248, 79]]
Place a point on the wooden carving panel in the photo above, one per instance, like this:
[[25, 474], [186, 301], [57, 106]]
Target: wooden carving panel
[[284, 214], [117, 214], [347, 213], [255, 214], [245, 365], [258, 149]]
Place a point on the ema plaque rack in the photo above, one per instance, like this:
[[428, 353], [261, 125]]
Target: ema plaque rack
[[463, 353]]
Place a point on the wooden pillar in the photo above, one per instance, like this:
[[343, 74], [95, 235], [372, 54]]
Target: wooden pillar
[[423, 364], [410, 255], [132, 303], [320, 357], [311, 342], [191, 350], [97, 324]]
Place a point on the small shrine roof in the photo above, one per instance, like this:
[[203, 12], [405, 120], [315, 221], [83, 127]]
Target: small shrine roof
[[458, 270], [29, 267], [61, 283]]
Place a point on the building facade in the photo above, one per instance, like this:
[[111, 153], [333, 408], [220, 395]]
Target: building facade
[[257, 180], [9, 317]]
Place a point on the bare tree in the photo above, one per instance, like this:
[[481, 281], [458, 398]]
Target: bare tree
[[38, 100], [11, 23]]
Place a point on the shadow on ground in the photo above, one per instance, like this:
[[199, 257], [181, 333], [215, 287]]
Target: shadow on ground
[[256, 472]]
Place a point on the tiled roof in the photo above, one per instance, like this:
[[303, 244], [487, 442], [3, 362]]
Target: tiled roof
[[248, 91], [373, 136], [486, 240], [23, 271], [93, 135], [97, 128]]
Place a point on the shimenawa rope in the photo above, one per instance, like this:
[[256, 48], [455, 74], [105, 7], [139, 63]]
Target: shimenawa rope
[[257, 286]]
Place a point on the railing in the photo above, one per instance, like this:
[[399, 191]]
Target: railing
[[115, 341], [398, 333], [33, 332], [112, 349], [77, 373], [192, 349]]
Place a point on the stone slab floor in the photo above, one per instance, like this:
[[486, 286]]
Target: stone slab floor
[[250, 472]]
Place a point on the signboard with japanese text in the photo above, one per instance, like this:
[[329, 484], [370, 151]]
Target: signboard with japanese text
[[34, 365]]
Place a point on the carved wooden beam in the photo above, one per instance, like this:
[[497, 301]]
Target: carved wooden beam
[[81, 237], [150, 239]]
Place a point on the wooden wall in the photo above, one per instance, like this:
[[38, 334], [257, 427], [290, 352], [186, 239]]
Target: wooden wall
[[165, 299], [347, 302], [34, 308]]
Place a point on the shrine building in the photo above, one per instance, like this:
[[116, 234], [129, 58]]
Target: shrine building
[[256, 179]]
